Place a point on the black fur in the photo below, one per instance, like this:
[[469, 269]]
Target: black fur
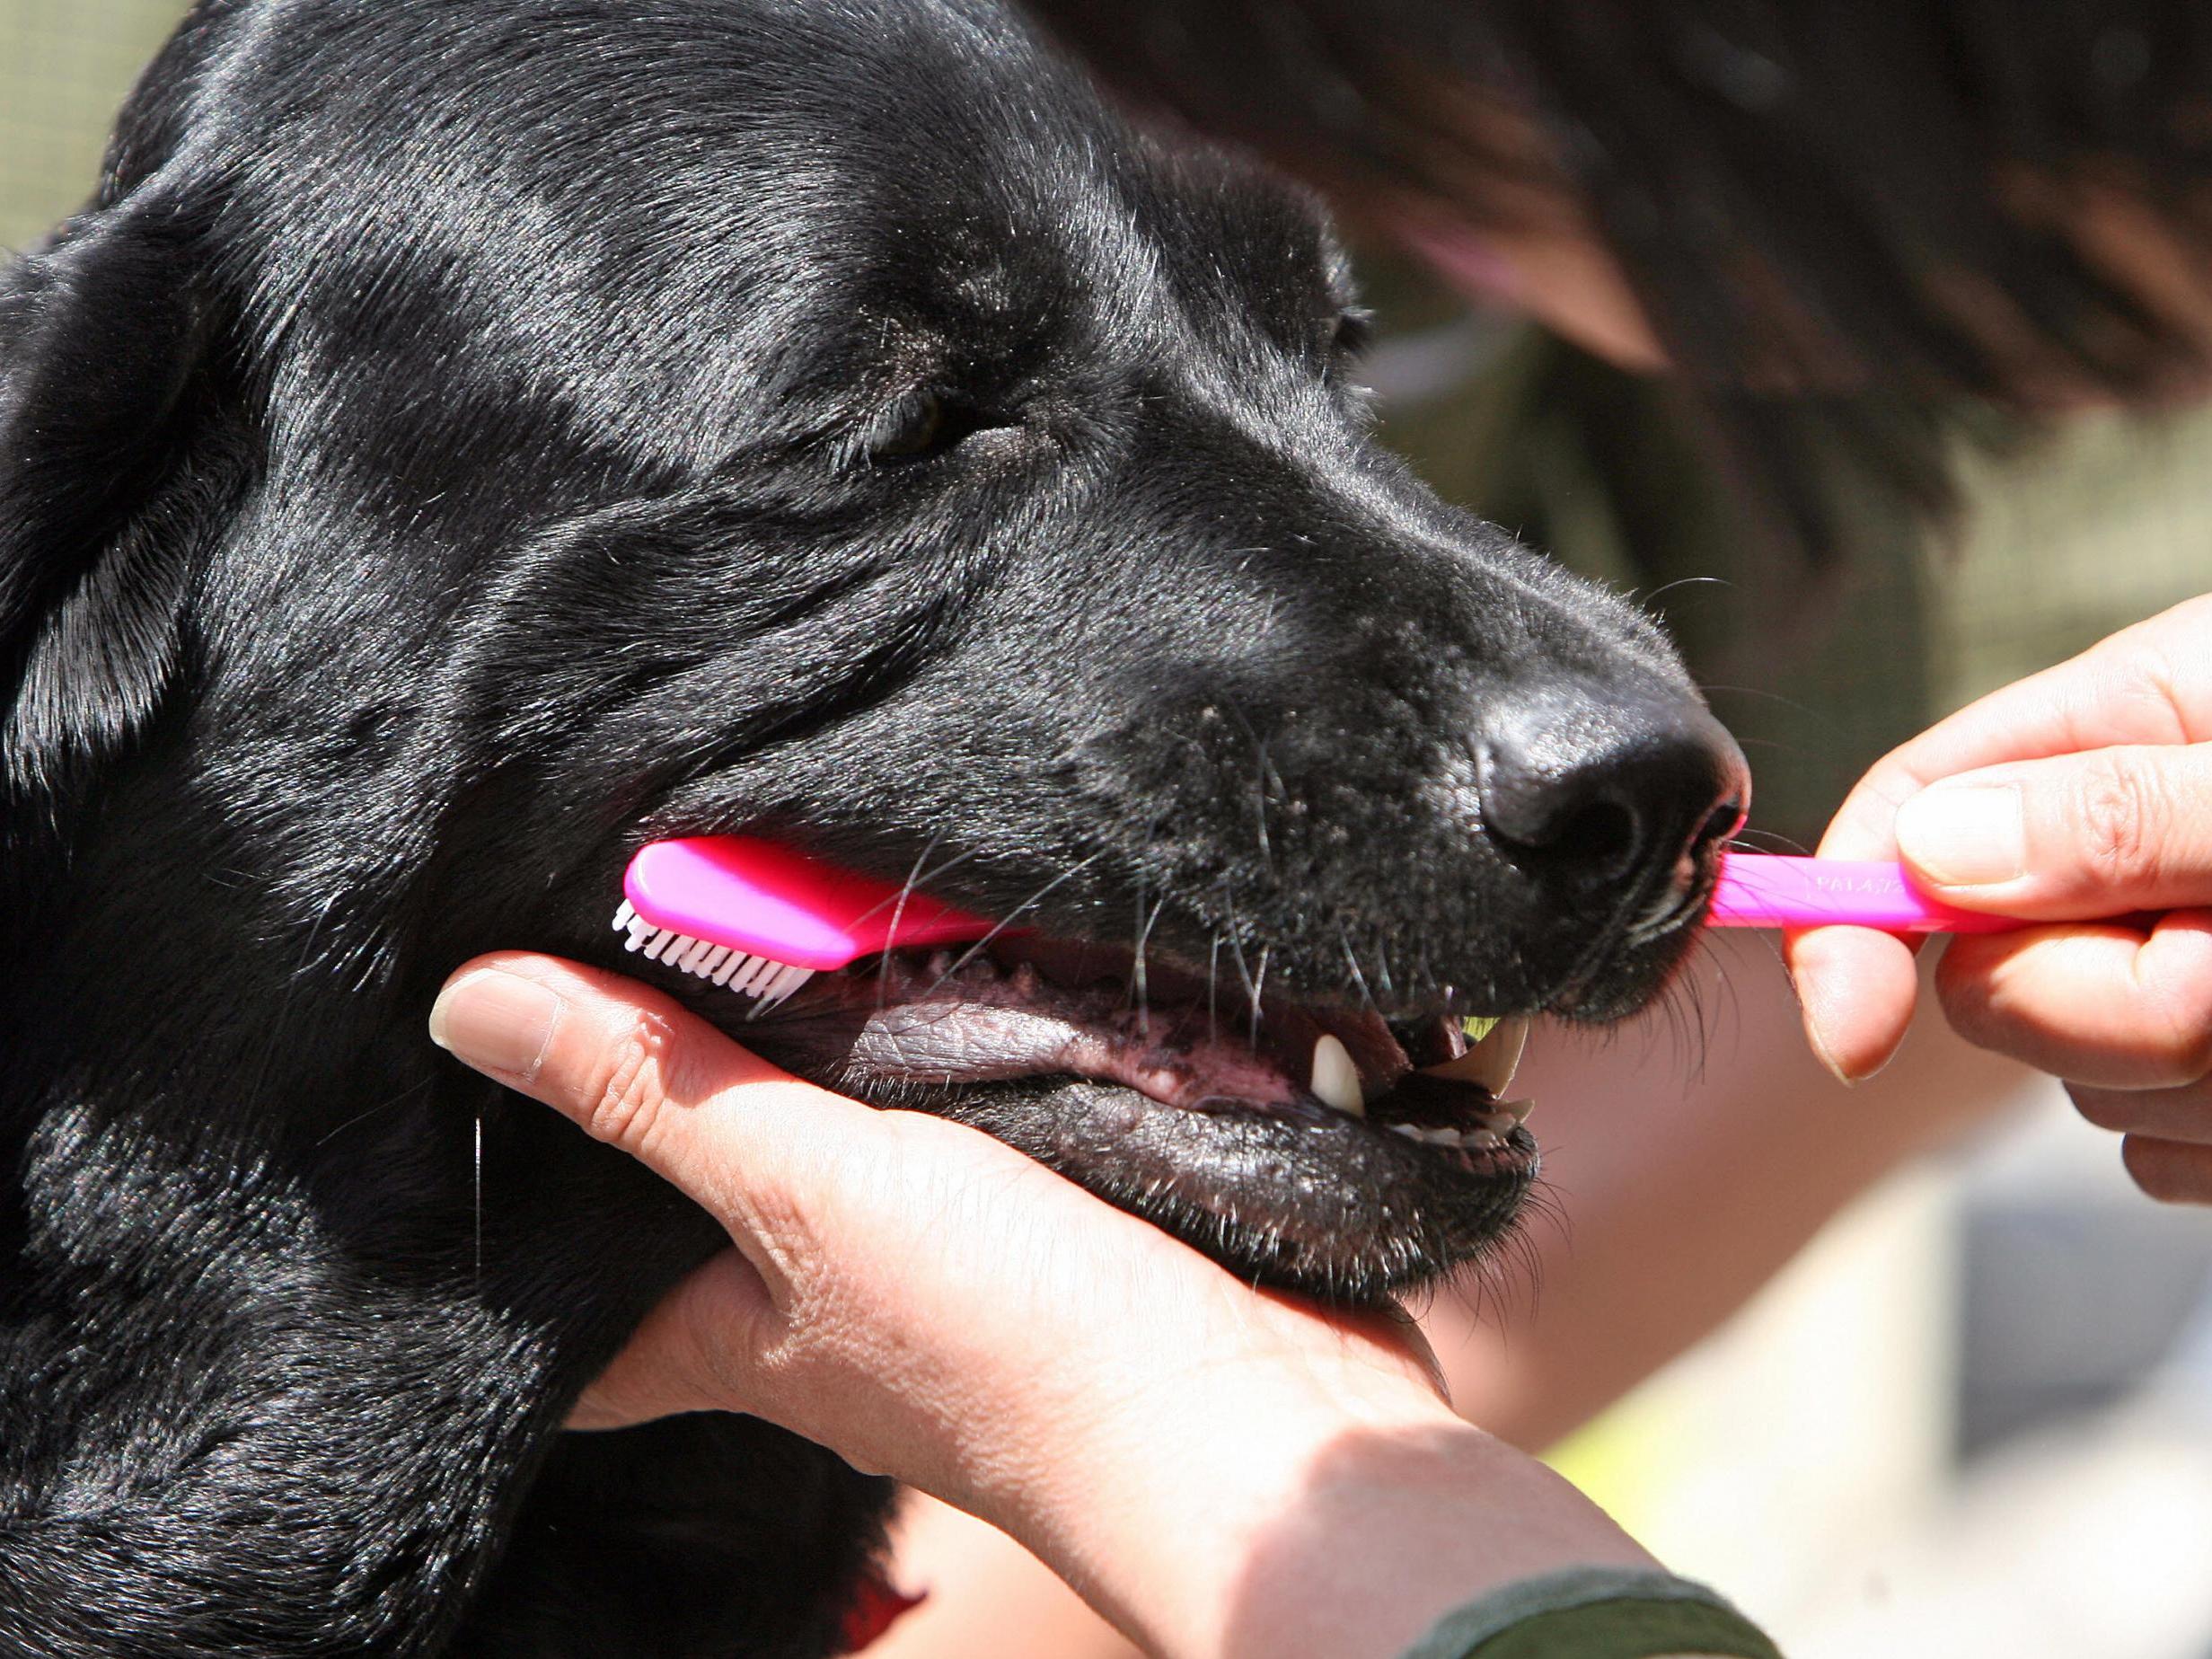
[[462, 442]]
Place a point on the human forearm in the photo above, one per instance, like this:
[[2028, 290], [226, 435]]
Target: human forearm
[[1270, 1519]]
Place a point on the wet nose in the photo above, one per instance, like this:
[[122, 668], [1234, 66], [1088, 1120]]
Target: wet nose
[[1597, 792]]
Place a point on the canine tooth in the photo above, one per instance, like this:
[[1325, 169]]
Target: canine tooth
[[1335, 1080], [1408, 1130], [1517, 1110], [1491, 1064]]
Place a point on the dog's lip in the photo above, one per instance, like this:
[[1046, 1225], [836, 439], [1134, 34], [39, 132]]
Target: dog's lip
[[1036, 1007]]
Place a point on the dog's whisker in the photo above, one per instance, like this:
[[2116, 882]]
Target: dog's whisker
[[1213, 976], [898, 913], [1358, 974], [477, 1193], [381, 1105]]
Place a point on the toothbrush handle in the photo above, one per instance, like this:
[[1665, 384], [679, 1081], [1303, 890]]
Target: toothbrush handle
[[1760, 891]]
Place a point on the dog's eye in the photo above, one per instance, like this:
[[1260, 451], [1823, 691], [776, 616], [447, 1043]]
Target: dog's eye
[[920, 425]]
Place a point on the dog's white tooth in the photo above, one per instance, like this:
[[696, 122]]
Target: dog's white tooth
[[1407, 1130], [1491, 1064], [1517, 1110], [1500, 1123], [1482, 1140], [624, 916], [1335, 1080]]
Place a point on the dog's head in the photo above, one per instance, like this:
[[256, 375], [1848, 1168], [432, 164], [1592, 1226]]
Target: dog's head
[[465, 442]]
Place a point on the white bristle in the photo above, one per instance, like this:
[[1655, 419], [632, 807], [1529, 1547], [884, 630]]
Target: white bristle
[[767, 981]]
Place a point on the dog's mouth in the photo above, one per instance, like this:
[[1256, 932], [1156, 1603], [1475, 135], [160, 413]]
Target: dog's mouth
[[1038, 1009], [1322, 1145]]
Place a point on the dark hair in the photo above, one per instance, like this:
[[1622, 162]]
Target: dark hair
[[1889, 190]]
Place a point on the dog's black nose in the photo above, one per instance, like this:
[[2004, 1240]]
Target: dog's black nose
[[1597, 791]]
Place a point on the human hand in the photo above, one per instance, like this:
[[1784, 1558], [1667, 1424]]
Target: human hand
[[2080, 798], [1218, 1471]]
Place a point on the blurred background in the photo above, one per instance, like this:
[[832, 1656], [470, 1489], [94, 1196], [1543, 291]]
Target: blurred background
[[1975, 1416]]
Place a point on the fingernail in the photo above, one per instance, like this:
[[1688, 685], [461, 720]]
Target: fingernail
[[495, 1021], [1971, 835]]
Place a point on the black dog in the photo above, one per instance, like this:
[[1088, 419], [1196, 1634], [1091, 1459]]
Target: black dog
[[466, 441]]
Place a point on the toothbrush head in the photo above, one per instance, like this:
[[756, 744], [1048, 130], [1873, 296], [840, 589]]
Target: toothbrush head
[[762, 920]]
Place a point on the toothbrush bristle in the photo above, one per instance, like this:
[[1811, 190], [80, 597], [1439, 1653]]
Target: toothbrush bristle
[[766, 980]]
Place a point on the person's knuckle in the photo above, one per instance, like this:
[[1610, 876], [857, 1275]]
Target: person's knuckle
[[2119, 819], [633, 1085]]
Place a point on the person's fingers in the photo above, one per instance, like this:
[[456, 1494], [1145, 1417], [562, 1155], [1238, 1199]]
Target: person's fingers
[[637, 1070], [2109, 1006], [2076, 837], [2170, 1171], [2137, 687], [684, 1356], [2183, 1114], [1855, 989]]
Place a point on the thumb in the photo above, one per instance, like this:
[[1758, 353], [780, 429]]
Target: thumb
[[745, 1141], [2089, 836]]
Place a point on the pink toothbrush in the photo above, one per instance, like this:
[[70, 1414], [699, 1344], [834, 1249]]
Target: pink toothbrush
[[1758, 891], [763, 920]]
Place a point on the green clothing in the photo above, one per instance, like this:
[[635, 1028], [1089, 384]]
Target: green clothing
[[1596, 1613]]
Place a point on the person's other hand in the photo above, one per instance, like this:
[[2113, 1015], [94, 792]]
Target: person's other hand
[[2081, 799], [1218, 1471]]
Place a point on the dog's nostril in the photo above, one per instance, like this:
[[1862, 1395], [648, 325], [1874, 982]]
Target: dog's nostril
[[1600, 836], [1720, 826], [1594, 791]]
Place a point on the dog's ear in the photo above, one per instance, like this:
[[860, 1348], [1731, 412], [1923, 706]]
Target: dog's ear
[[104, 342]]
